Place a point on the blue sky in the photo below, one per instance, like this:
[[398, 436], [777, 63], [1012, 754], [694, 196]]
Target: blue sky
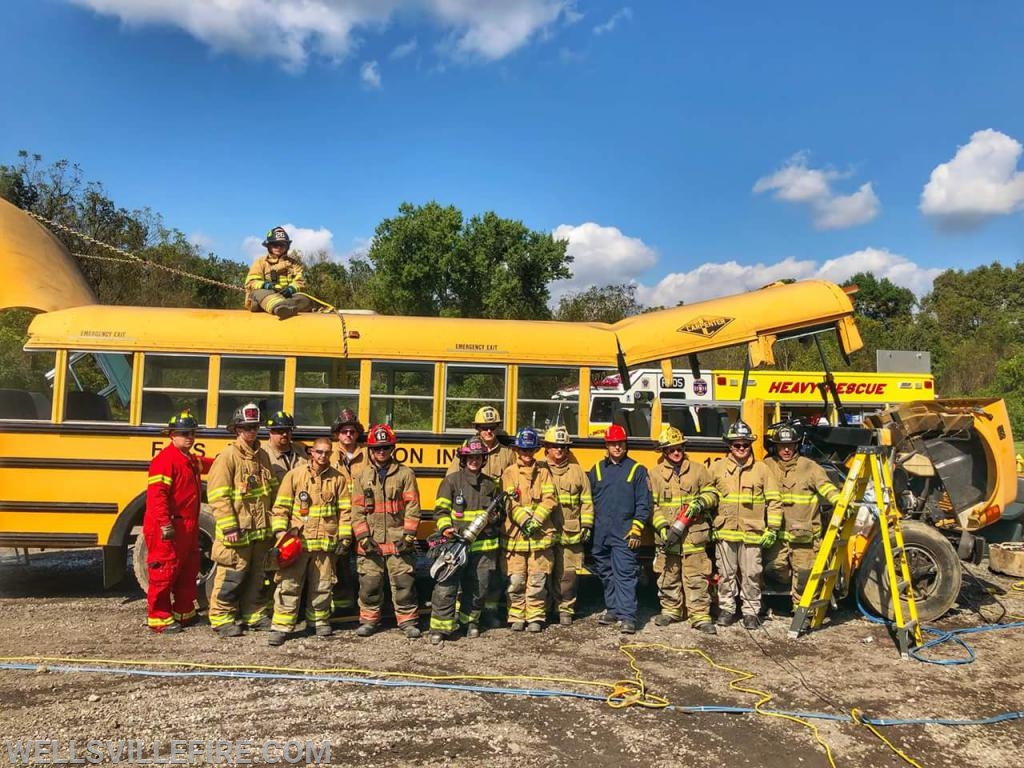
[[695, 148]]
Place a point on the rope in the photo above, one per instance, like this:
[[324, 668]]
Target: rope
[[126, 257], [855, 714]]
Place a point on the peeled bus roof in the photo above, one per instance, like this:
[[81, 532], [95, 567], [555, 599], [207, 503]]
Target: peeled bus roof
[[643, 339], [39, 273]]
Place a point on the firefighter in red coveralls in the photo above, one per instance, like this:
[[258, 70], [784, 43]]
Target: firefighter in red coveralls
[[171, 529]]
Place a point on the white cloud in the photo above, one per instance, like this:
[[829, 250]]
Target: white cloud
[[601, 255], [712, 280], [369, 73], [403, 50], [201, 240], [292, 31], [795, 182], [308, 241], [623, 14], [981, 181]]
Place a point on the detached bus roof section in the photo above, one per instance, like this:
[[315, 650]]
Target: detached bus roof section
[[39, 273], [758, 316]]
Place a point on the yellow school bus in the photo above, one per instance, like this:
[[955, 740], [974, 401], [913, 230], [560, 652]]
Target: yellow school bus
[[74, 449]]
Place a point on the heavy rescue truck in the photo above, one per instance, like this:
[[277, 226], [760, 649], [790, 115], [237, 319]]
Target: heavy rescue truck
[[75, 445]]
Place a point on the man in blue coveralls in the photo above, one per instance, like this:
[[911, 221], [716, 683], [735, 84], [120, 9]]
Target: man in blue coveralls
[[622, 507]]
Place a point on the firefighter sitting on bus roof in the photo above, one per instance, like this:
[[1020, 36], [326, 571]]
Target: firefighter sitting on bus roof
[[312, 504], [682, 493], [274, 281], [803, 485]]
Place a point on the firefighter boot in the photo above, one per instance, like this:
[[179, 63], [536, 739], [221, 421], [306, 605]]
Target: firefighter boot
[[751, 621], [517, 626], [565, 619], [436, 638], [367, 629], [627, 627], [229, 630], [472, 630], [285, 309], [534, 626], [171, 629], [410, 630], [263, 625], [276, 638], [323, 631], [706, 627], [607, 618], [663, 620]]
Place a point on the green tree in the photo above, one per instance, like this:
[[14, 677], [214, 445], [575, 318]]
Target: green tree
[[881, 299], [429, 261], [600, 304]]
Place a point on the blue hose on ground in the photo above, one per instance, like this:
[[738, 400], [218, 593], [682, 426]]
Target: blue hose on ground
[[532, 692], [942, 636]]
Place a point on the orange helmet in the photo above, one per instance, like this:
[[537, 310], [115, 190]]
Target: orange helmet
[[381, 435], [615, 434]]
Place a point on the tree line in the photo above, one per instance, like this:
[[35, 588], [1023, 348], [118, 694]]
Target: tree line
[[432, 260]]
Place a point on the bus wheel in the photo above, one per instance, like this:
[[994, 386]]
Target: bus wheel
[[206, 528], [934, 571]]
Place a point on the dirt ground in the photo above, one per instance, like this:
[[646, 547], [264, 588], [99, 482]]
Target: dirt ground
[[57, 607]]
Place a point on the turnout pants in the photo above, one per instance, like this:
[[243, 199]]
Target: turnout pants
[[399, 571], [343, 601], [315, 572], [528, 584], [474, 580], [239, 583], [269, 301], [173, 567], [792, 562], [619, 569], [739, 571], [564, 579], [686, 576]]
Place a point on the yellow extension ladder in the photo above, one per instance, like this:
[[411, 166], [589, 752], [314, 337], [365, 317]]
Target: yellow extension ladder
[[870, 465]]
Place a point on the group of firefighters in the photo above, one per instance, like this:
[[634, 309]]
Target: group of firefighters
[[522, 525]]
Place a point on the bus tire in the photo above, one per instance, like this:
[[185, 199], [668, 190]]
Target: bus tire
[[206, 529], [935, 572]]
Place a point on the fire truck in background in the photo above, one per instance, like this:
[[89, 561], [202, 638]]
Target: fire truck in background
[[700, 405]]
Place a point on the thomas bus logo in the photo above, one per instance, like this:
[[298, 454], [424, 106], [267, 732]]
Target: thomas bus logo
[[705, 326]]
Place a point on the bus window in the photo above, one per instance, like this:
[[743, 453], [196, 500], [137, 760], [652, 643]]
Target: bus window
[[548, 396], [402, 395], [26, 387], [99, 386], [467, 389], [323, 386], [172, 383], [679, 414], [250, 379]]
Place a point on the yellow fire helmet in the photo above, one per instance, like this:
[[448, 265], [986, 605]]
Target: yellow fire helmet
[[557, 436], [487, 416], [669, 437]]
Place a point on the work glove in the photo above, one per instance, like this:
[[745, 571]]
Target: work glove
[[586, 535], [768, 538], [267, 285], [696, 508], [288, 291], [530, 527], [167, 532], [632, 537], [369, 545], [343, 546], [405, 544]]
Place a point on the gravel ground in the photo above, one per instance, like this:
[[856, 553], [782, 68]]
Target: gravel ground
[[56, 607]]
